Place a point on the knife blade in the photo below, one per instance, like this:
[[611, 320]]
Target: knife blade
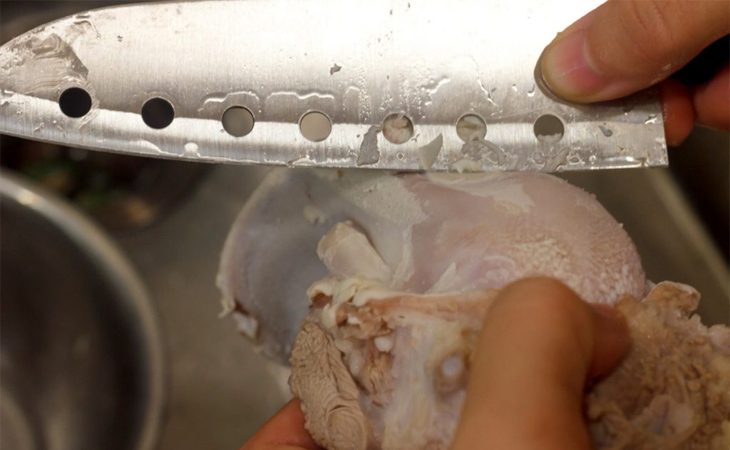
[[384, 84]]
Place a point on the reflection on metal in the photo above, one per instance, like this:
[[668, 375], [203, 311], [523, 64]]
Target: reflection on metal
[[82, 362], [124, 193], [357, 63]]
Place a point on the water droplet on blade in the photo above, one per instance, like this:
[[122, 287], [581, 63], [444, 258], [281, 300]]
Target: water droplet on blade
[[652, 118], [191, 148], [605, 130]]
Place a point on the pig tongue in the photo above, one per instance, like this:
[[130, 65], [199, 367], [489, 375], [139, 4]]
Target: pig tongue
[[478, 232], [418, 233]]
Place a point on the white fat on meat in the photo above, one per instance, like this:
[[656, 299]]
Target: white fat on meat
[[416, 233], [450, 233], [408, 355], [347, 252], [410, 265]]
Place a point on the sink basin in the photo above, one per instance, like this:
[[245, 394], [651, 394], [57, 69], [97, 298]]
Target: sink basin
[[80, 356], [221, 390]]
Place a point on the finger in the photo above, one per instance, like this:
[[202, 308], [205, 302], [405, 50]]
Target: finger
[[539, 345], [611, 340], [712, 101], [624, 46], [679, 114], [284, 431]]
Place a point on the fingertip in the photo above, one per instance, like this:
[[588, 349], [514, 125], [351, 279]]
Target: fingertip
[[547, 298], [284, 430], [612, 340], [626, 46], [711, 101], [533, 356], [537, 289], [678, 110], [601, 334], [566, 67], [566, 71]]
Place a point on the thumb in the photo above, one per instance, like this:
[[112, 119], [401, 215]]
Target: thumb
[[626, 45], [539, 347]]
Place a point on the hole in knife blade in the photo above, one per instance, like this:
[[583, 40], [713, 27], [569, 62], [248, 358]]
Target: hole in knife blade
[[548, 128], [471, 127], [397, 128], [315, 126], [75, 102], [158, 113], [238, 121]]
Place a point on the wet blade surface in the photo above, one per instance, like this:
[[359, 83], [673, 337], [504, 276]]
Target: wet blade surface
[[382, 84]]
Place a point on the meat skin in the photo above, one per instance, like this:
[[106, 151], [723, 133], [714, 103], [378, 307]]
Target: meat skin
[[673, 389], [671, 392], [420, 233], [407, 273]]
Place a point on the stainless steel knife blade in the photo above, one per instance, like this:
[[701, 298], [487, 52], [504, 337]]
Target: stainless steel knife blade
[[386, 84]]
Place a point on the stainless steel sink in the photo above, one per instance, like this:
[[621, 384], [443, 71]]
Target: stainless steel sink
[[672, 241], [221, 391], [81, 358]]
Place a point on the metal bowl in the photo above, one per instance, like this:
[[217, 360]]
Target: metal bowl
[[81, 361]]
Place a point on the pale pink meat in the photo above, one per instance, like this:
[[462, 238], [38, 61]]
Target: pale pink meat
[[496, 229], [406, 337], [405, 359], [463, 232], [420, 233], [407, 267]]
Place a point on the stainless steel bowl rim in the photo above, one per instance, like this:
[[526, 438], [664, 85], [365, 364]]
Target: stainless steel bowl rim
[[108, 258]]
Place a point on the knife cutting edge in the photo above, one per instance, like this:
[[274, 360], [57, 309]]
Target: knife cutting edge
[[420, 85]]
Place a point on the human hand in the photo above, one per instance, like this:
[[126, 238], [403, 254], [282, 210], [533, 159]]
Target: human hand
[[539, 348], [624, 46], [284, 431]]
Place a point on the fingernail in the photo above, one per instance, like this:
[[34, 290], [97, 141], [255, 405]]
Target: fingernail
[[566, 68]]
